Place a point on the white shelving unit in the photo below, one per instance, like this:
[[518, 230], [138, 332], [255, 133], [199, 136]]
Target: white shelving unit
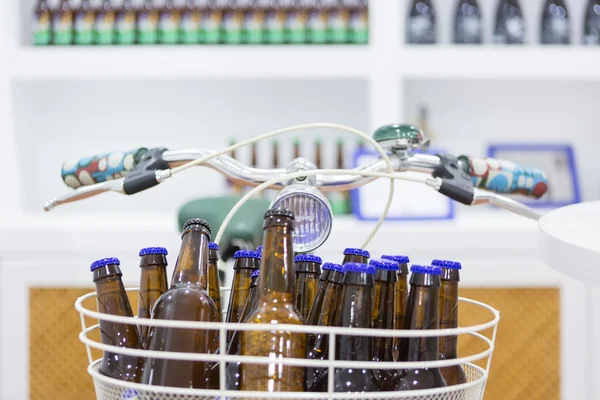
[[67, 102]]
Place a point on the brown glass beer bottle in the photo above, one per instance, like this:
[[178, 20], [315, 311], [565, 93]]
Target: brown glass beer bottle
[[455, 374], [422, 312], [186, 300], [401, 297], [153, 283], [246, 261], [308, 270], [275, 306], [214, 284], [111, 299], [356, 256]]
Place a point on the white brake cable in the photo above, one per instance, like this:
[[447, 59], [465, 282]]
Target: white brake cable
[[261, 187], [289, 129]]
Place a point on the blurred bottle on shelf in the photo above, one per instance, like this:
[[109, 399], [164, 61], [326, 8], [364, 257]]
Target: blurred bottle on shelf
[[591, 25], [276, 21], [147, 23], [275, 305], [318, 158], [338, 23], [233, 21], [455, 374], [400, 298], [254, 22], [424, 121], [555, 23], [467, 23], [234, 368], [235, 188], [62, 24], [169, 22], [186, 300], [359, 23], [308, 271], [246, 261], [191, 31], [214, 284], [383, 315], [421, 24], [296, 150], [253, 155], [354, 255], [84, 17], [212, 20], [340, 200], [104, 26], [42, 23], [112, 299], [510, 24], [422, 312], [153, 283], [297, 22], [275, 151], [323, 313], [317, 22], [125, 21]]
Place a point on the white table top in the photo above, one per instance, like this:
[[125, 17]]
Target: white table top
[[570, 241]]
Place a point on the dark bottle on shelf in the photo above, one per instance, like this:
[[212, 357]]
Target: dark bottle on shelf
[[112, 299], [104, 26], [308, 271], [190, 31], [234, 368], [153, 283], [422, 312], [186, 300], [125, 21], [147, 23], [275, 305], [275, 151], [233, 21], [62, 24], [318, 151], [455, 374], [355, 311], [421, 25], [383, 317], [253, 155], [255, 31], [246, 261], [317, 22], [356, 256], [213, 21], [510, 24], [214, 284], [42, 23], [467, 23], [297, 22], [591, 25], [296, 150], [276, 21], [359, 22], [236, 188], [340, 200], [169, 21], [400, 297], [84, 17], [555, 23], [338, 23], [323, 313]]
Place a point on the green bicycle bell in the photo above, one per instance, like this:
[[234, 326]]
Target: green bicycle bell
[[398, 137]]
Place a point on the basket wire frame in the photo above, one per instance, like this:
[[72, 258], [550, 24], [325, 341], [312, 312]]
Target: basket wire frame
[[109, 388]]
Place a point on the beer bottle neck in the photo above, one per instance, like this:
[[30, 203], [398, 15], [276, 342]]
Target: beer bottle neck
[[110, 292], [192, 265], [448, 318], [383, 299], [355, 258], [276, 271], [422, 313]]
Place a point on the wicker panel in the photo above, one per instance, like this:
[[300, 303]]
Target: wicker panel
[[54, 326], [526, 361]]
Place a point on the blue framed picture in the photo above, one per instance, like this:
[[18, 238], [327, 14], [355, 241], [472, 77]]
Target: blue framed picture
[[412, 201], [556, 160]]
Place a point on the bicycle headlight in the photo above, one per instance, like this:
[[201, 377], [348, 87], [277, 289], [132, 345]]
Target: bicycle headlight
[[313, 216]]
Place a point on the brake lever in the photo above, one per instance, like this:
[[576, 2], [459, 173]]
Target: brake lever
[[486, 197], [83, 192]]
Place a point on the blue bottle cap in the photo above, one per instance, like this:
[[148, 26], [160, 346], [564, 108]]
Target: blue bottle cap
[[333, 267], [356, 252], [255, 274], [153, 250], [446, 264], [246, 254], [426, 269], [259, 249], [438, 263], [398, 258], [213, 246], [308, 258], [104, 262], [387, 265], [358, 267]]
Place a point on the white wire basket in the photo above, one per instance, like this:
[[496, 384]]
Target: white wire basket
[[113, 389]]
